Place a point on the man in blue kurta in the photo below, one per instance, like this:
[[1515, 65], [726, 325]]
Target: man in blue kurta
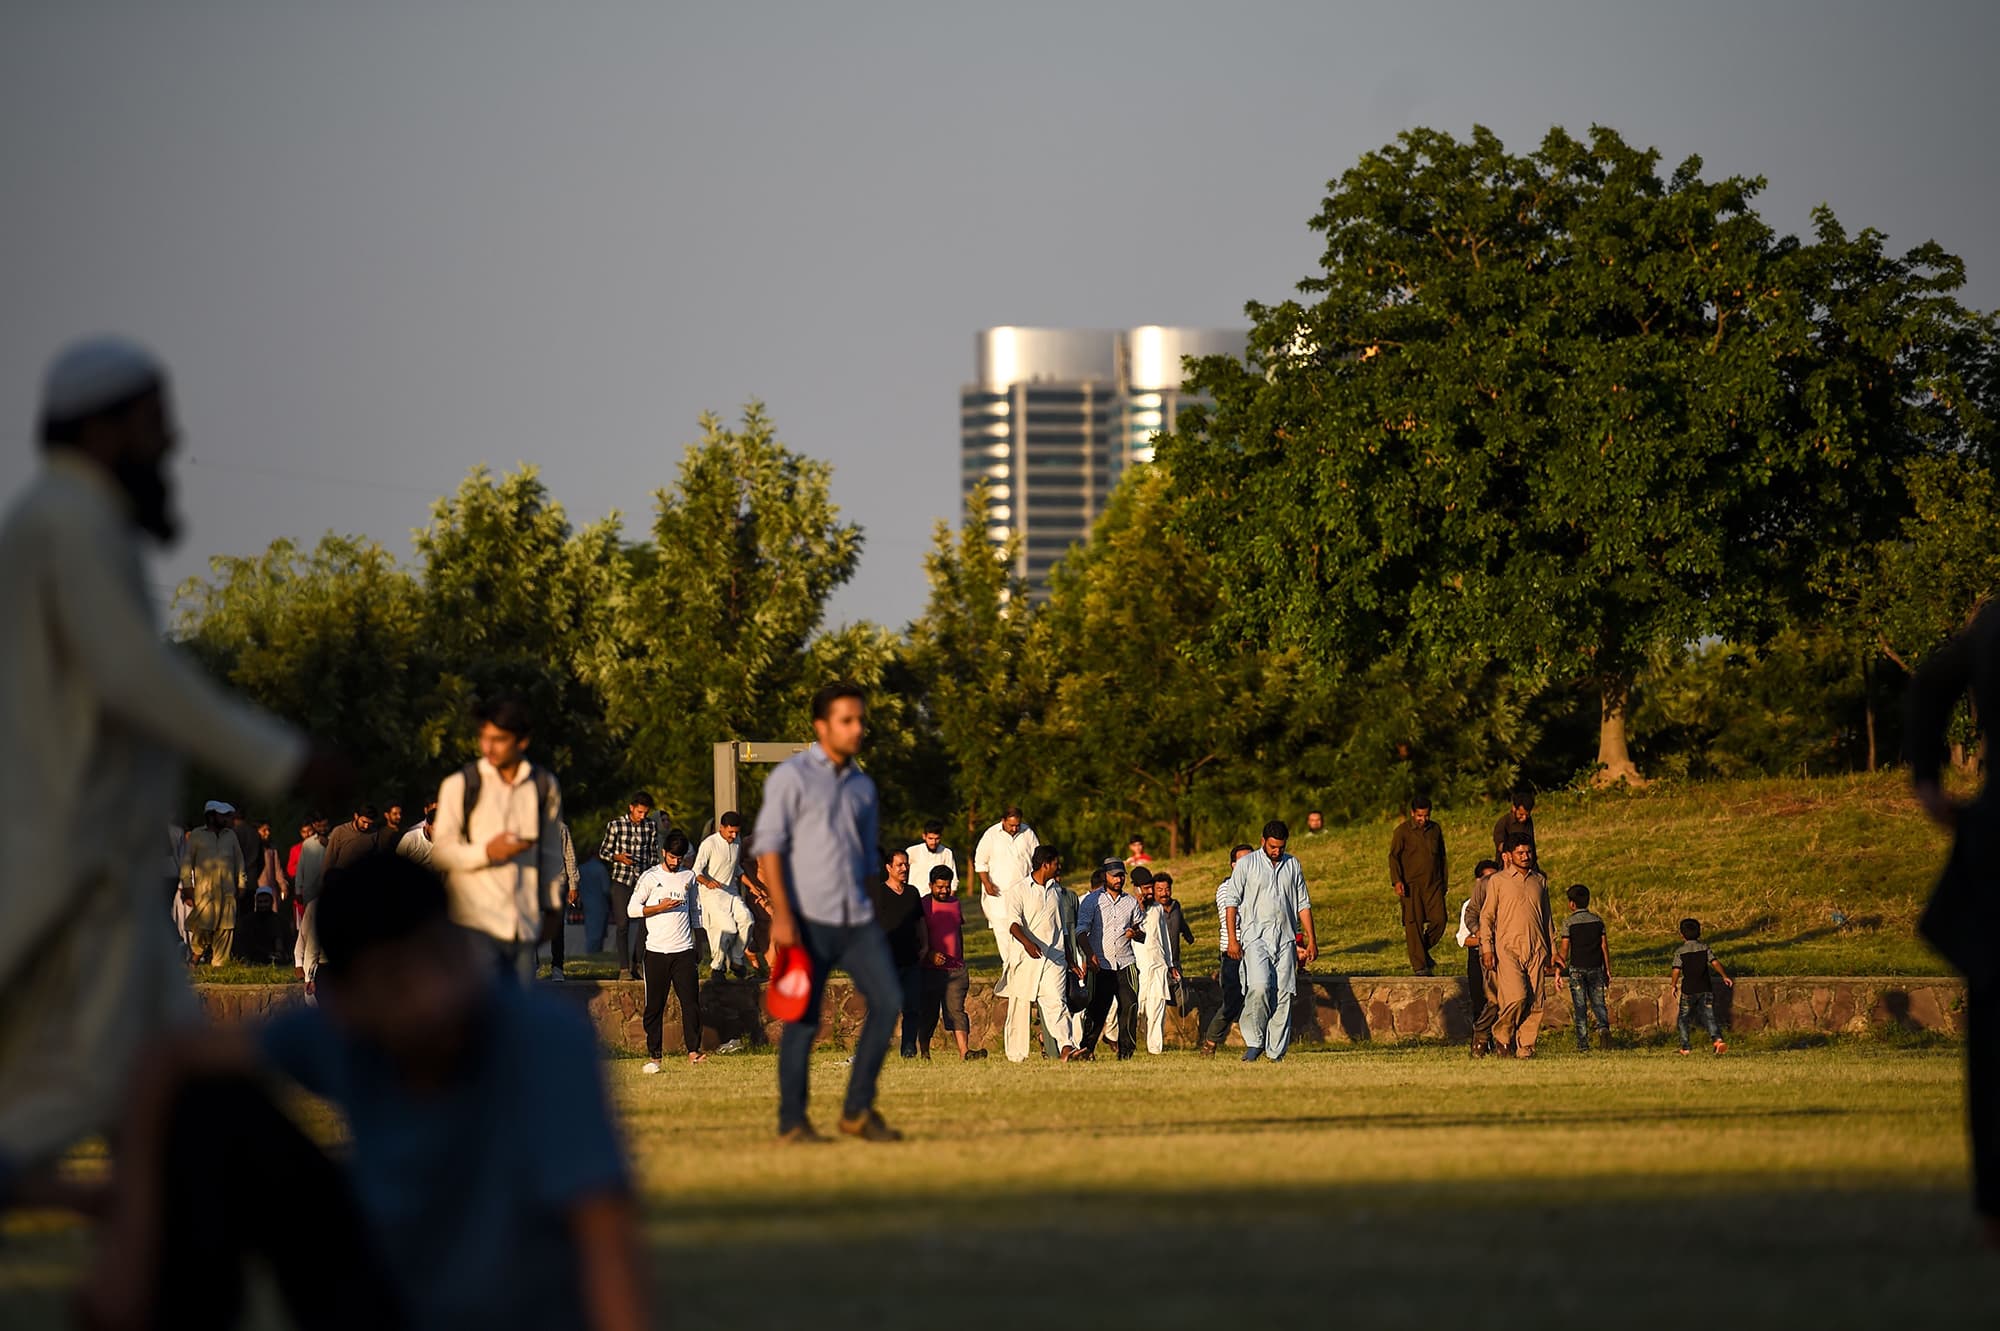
[[1267, 926]]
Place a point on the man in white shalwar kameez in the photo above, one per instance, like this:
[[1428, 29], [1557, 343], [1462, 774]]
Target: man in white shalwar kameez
[[1031, 912], [1003, 857], [97, 714], [1150, 952]]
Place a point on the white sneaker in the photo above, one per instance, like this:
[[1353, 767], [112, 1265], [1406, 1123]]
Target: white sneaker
[[652, 1066], [555, 973], [730, 1047]]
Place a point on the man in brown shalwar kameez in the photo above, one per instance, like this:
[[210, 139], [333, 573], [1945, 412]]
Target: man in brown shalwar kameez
[[1515, 946]]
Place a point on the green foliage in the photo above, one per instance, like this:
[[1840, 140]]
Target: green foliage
[[1793, 705], [513, 603], [965, 656], [336, 639], [711, 637], [1554, 411]]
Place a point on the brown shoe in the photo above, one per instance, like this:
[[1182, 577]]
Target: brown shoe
[[1207, 1049], [802, 1135], [870, 1128]]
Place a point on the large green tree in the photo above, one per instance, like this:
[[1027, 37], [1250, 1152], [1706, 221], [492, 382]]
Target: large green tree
[[713, 634], [965, 656], [514, 601], [1552, 411], [335, 639]]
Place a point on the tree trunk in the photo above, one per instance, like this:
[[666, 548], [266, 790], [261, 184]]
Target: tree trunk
[[1614, 759], [1868, 707]]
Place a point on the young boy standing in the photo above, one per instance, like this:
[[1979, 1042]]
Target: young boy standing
[[662, 898], [945, 980], [1584, 953], [1693, 966]]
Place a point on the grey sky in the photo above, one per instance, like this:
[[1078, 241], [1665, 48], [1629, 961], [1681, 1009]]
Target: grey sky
[[383, 242]]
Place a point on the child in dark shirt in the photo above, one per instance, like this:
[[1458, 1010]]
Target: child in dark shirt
[[1695, 971], [1584, 954]]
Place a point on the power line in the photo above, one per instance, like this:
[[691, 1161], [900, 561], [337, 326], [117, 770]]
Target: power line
[[224, 467]]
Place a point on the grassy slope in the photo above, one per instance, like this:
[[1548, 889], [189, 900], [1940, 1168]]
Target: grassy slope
[[1763, 864], [1811, 1187]]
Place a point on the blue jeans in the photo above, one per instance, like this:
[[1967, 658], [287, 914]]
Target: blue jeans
[[1586, 999], [1704, 1004], [863, 952]]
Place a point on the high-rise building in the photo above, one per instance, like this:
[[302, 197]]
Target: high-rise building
[[1055, 416]]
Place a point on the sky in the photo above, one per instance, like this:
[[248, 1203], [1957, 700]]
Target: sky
[[381, 244]]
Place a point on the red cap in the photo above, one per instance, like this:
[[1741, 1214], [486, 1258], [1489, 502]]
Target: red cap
[[789, 993]]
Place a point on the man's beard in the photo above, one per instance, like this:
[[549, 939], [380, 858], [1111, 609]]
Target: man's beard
[[145, 484]]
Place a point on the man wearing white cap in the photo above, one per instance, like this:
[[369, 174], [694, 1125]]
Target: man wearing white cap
[[212, 873], [97, 714]]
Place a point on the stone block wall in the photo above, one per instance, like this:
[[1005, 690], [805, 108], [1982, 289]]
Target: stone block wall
[[1339, 1009]]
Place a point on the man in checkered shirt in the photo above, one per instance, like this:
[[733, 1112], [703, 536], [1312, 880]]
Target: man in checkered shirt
[[631, 846]]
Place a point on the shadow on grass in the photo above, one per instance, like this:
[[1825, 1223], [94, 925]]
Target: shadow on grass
[[1513, 1253]]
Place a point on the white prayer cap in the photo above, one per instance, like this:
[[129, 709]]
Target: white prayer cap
[[217, 806], [97, 372]]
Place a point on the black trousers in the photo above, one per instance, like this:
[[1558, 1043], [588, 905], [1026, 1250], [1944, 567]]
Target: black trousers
[[911, 978], [1479, 996], [1232, 1002], [214, 1219], [675, 972], [1423, 928], [1122, 984], [626, 941], [1982, 1095]]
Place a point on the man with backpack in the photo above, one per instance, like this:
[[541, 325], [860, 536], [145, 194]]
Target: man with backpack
[[499, 840]]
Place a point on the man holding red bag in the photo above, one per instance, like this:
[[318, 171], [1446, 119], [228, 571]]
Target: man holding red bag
[[816, 856]]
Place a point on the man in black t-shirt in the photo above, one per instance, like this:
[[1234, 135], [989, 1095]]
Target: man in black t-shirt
[[1584, 954], [899, 909], [1693, 966]]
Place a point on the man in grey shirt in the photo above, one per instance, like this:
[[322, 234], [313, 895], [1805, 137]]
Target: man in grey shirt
[[817, 841], [1108, 922]]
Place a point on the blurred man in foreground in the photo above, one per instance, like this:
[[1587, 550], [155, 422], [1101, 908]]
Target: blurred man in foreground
[[1963, 917], [484, 1189], [97, 714]]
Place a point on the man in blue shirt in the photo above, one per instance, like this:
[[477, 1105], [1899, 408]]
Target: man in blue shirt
[[817, 845], [1108, 921], [1265, 911], [485, 1187]]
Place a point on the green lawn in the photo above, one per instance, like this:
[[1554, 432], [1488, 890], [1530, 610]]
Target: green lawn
[[1818, 1186]]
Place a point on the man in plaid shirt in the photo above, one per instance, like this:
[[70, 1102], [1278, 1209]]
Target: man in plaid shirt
[[631, 846]]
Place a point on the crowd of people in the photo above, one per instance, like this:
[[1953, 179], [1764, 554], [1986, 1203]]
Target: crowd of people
[[1102, 966], [484, 1185]]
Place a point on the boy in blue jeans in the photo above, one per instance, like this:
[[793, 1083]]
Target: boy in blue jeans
[[1584, 954], [1695, 986]]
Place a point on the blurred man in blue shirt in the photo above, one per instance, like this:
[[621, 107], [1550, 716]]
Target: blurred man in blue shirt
[[817, 843], [485, 1187]]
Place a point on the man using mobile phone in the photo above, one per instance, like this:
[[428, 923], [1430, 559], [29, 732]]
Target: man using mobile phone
[[496, 839]]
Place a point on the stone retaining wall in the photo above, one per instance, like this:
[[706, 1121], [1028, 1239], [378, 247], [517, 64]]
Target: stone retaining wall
[[1326, 1009]]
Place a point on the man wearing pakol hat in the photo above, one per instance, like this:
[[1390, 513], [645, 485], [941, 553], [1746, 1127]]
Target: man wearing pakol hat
[[212, 875], [97, 713]]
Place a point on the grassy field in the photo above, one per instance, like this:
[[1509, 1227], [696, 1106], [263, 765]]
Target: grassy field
[[1773, 1187]]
